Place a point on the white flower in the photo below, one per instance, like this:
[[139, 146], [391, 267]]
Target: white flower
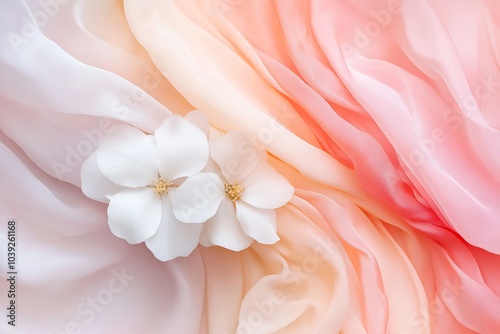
[[239, 202], [138, 174]]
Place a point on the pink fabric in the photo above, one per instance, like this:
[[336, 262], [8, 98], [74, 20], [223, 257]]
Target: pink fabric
[[381, 116], [399, 80]]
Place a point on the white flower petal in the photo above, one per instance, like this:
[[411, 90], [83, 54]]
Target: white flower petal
[[265, 188], [212, 133], [94, 184], [134, 214], [212, 167], [173, 238], [236, 155], [127, 157], [224, 229], [181, 148], [198, 118], [198, 198], [257, 223]]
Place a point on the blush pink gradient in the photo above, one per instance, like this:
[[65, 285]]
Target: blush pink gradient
[[390, 137]]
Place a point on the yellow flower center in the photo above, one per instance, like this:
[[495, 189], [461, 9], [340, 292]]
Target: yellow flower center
[[161, 187], [233, 191]]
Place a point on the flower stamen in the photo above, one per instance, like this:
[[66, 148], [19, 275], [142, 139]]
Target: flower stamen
[[233, 191], [161, 187]]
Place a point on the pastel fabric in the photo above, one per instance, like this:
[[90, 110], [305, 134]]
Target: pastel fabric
[[412, 83], [370, 243]]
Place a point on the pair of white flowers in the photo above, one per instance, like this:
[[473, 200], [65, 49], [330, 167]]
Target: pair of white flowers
[[175, 188]]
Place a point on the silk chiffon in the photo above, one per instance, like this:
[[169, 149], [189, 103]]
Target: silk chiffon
[[392, 229]]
